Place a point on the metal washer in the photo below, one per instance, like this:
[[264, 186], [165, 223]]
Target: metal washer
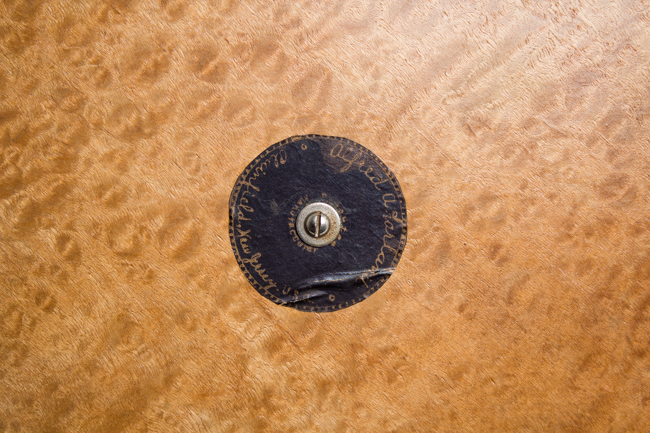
[[334, 224]]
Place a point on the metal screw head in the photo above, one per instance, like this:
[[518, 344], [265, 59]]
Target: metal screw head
[[318, 224]]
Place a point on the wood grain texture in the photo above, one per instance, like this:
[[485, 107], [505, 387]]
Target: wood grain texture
[[519, 131]]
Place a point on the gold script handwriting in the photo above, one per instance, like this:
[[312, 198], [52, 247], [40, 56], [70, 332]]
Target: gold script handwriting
[[276, 159], [245, 211], [389, 228], [254, 262], [244, 237], [356, 159]]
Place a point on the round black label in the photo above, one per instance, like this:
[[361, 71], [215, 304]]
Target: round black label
[[292, 174]]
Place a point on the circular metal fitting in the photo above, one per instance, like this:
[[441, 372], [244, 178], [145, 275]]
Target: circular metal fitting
[[318, 224]]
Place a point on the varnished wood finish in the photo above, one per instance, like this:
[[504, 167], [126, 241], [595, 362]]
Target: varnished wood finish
[[520, 134]]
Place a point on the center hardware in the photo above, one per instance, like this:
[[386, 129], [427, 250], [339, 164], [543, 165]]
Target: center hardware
[[318, 224]]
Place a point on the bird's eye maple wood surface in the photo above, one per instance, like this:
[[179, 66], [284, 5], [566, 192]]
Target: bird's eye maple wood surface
[[520, 134]]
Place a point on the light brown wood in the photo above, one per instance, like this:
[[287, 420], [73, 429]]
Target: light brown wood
[[519, 131]]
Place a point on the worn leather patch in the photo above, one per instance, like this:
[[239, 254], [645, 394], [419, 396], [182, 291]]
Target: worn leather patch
[[299, 171]]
